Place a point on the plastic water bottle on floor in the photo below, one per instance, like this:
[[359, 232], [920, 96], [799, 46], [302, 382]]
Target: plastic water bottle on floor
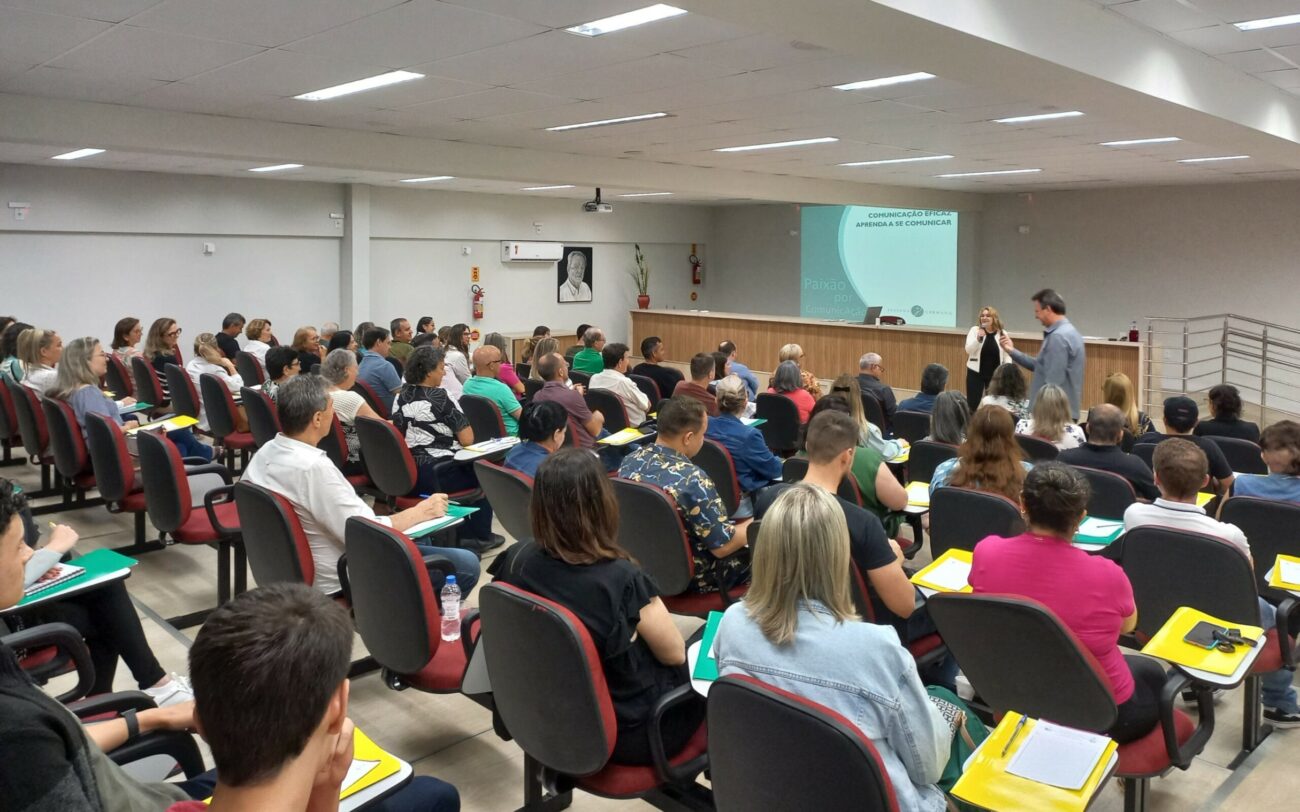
[[450, 610]]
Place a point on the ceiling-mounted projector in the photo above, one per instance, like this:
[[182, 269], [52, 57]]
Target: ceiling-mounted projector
[[598, 206]]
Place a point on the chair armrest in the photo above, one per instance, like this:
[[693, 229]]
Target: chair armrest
[[68, 640], [1175, 683], [470, 628], [210, 468], [441, 563], [345, 586], [218, 496], [1285, 612], [666, 772], [176, 744], [114, 703], [195, 462]]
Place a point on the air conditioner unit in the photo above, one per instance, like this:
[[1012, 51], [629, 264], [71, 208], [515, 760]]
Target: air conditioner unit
[[531, 251]]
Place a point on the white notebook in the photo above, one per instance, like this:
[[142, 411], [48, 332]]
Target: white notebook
[[1059, 756]]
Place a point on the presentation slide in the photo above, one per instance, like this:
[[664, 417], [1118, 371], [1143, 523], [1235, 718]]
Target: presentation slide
[[902, 260]]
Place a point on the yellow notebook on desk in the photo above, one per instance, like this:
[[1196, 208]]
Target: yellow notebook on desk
[[949, 572], [370, 765], [627, 435], [1203, 499], [1285, 573], [918, 494], [180, 421], [1168, 643]]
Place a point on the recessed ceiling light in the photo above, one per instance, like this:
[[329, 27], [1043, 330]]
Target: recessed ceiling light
[[1038, 117], [427, 180], [885, 81], [647, 194], [77, 153], [370, 83], [1216, 158], [1268, 22], [899, 160], [778, 144], [631, 19], [1133, 142], [604, 122], [980, 174], [546, 188], [276, 168]]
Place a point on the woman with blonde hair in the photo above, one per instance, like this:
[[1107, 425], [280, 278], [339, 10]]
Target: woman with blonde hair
[[1052, 420], [209, 359], [846, 387], [1118, 391], [162, 347], [259, 339], [39, 351], [306, 342], [797, 630], [544, 347], [984, 354], [807, 380]]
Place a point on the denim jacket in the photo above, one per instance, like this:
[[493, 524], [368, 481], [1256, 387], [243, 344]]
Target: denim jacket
[[860, 671]]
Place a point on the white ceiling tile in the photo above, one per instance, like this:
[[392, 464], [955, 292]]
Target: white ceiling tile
[[34, 38], [1237, 10], [1288, 78], [756, 52], [494, 102], [192, 99], [64, 83], [714, 94], [676, 33], [1290, 52], [538, 57], [109, 11], [1165, 15], [259, 22], [838, 70], [127, 51], [1216, 39], [1257, 61], [637, 76], [553, 13], [284, 73]]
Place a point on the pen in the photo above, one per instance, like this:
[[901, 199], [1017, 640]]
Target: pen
[[449, 501], [1014, 733]]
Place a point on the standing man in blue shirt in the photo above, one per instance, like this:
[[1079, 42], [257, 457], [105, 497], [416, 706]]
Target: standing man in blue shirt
[[728, 348], [1061, 358], [374, 369]]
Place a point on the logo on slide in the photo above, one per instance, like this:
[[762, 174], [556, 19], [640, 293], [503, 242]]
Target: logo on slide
[[918, 311]]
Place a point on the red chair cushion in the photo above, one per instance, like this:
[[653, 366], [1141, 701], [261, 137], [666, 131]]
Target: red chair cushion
[[1147, 756], [442, 674], [35, 658], [924, 645], [359, 480], [238, 439], [692, 603], [134, 503], [1270, 659], [198, 530], [85, 482], [619, 781]]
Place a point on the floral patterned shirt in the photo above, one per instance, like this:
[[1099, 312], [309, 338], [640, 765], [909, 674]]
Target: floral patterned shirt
[[430, 422]]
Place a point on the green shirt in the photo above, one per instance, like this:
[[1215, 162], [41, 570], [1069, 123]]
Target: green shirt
[[866, 464], [498, 393], [401, 350], [589, 361]]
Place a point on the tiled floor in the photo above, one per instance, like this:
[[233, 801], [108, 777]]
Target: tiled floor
[[451, 737]]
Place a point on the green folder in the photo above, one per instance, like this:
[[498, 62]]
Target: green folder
[[139, 406], [706, 666], [97, 564], [1099, 531], [453, 512]]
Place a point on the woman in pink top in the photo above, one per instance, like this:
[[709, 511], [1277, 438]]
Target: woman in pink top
[[1089, 594], [506, 372], [787, 382]]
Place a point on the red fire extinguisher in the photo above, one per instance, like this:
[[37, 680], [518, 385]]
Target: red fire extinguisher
[[477, 299], [697, 276]]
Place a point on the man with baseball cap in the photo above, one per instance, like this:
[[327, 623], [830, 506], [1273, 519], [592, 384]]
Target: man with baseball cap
[[1181, 416]]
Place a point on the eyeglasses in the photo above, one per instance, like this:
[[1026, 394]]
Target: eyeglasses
[[174, 333]]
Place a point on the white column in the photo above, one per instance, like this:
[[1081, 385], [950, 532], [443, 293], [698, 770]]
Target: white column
[[354, 257]]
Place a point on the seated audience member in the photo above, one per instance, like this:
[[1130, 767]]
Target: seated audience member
[[340, 372], [505, 370], [292, 466], [989, 460], [847, 389], [545, 346], [615, 359], [1102, 451], [1118, 391], [1180, 420], [487, 362], [12, 366], [718, 544], [271, 675], [786, 382], [1181, 470], [797, 630], [1280, 445], [162, 347], [1225, 405], [425, 325], [374, 369], [444, 335], [573, 350], [721, 365], [1051, 420], [541, 427], [363, 327], [1090, 595], [949, 418], [306, 341], [588, 359], [281, 364], [226, 340], [435, 430], [1008, 390], [259, 337], [327, 331], [756, 465], [126, 335], [426, 340], [870, 369], [728, 348], [576, 561], [807, 380], [530, 351], [457, 348], [934, 378], [666, 378], [703, 368], [40, 351], [555, 374], [402, 334], [341, 340], [881, 492], [208, 360]]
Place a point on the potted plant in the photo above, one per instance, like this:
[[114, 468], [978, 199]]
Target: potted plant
[[642, 278]]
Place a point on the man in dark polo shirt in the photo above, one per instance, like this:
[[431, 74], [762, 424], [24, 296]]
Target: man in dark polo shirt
[[666, 378], [1102, 451], [703, 367], [1181, 416]]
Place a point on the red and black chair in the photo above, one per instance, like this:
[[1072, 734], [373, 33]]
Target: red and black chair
[[960, 518], [148, 386], [1036, 448], [531, 387], [10, 434], [118, 378], [1243, 456], [991, 635], [549, 689], [276, 546], [875, 413], [484, 417], [781, 431], [509, 492], [715, 460], [610, 405], [115, 477], [36, 441], [647, 386], [184, 394], [927, 649], [1111, 493], [925, 456], [71, 457], [391, 467], [335, 446], [911, 426], [263, 419], [747, 772], [1272, 527], [249, 368], [219, 405], [170, 505], [1146, 452], [371, 397], [579, 378]]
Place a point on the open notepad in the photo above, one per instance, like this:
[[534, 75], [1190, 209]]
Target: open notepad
[[949, 572], [918, 494], [1098, 531], [627, 435], [1285, 573], [455, 515], [1059, 756], [180, 421]]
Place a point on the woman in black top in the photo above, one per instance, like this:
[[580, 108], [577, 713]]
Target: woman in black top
[[983, 356], [160, 346], [576, 562], [1225, 405]]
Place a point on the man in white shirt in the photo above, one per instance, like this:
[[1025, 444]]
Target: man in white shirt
[[292, 466], [614, 378]]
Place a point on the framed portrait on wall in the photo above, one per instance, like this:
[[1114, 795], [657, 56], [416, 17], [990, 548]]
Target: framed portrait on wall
[[573, 275]]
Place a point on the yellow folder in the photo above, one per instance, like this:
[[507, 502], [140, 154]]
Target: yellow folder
[[1168, 643], [1275, 579], [364, 750], [1203, 499], [180, 421], [941, 572], [918, 494]]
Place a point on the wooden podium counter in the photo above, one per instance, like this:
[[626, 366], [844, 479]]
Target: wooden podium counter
[[832, 348]]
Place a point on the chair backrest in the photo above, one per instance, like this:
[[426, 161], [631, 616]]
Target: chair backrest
[[263, 419], [1243, 456], [781, 431], [31, 420], [368, 393], [579, 377], [277, 547], [9, 429], [1170, 568], [960, 518], [118, 378], [795, 469], [185, 398], [387, 459], [114, 471], [1271, 527], [1036, 448], [548, 682], [924, 457], [393, 603], [911, 426], [166, 488], [71, 459], [610, 405], [509, 492], [531, 387], [218, 404], [335, 444], [523, 370], [147, 386], [249, 368], [1111, 493], [648, 386], [1146, 452], [651, 529], [874, 412], [484, 417], [716, 461], [749, 773]]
